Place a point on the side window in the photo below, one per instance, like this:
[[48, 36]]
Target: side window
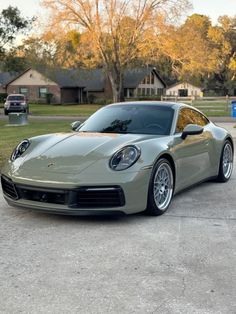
[[185, 118], [199, 119], [189, 116]]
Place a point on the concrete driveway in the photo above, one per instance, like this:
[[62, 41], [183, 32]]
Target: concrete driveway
[[181, 262]]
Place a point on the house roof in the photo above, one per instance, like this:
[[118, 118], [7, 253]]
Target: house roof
[[184, 82], [6, 77], [90, 79], [133, 77]]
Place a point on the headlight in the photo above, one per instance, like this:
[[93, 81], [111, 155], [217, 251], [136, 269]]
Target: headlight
[[125, 158], [20, 149]]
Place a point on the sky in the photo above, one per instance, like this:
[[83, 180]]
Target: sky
[[212, 8]]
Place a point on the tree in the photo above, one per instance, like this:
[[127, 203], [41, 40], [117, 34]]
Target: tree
[[11, 24], [116, 29], [189, 47], [51, 50]]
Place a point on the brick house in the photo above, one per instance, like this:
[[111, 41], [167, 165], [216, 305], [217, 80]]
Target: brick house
[[78, 85]]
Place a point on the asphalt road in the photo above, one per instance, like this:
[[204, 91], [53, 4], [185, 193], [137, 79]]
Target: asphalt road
[[182, 262]]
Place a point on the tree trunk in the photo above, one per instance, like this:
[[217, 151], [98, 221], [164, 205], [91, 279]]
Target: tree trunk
[[116, 79]]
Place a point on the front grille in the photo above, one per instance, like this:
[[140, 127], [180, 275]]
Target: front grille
[[8, 188], [84, 197], [43, 196], [98, 197], [13, 104]]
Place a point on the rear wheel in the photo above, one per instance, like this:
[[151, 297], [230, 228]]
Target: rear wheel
[[160, 188], [226, 162], [5, 112]]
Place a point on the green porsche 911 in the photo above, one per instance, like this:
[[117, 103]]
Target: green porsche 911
[[126, 158]]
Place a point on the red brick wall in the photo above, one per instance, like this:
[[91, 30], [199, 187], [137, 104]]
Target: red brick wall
[[33, 92]]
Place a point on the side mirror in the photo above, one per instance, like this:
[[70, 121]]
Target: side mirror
[[75, 125], [191, 129]]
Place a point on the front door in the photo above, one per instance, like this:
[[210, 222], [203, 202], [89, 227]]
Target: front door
[[183, 92]]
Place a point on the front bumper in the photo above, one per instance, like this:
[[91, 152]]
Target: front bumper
[[128, 194], [18, 108]]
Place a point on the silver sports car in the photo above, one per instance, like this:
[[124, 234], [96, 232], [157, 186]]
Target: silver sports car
[[127, 157]]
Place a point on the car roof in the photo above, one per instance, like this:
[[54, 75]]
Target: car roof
[[173, 105]]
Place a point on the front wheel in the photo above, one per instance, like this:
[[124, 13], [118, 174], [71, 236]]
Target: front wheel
[[5, 112], [226, 162], [161, 188]]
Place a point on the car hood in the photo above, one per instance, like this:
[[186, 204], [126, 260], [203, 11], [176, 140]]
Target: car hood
[[72, 153]]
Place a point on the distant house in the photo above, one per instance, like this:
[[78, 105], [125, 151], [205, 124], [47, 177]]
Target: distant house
[[77, 85], [5, 77], [183, 89], [143, 82], [63, 85]]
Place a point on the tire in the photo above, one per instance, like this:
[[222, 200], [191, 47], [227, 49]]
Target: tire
[[161, 188], [5, 112], [226, 162]]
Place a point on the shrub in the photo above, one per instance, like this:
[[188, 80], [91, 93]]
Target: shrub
[[141, 98], [49, 97], [3, 96], [91, 99], [103, 101]]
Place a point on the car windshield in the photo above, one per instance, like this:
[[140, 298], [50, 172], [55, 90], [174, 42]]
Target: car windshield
[[127, 118], [16, 97]]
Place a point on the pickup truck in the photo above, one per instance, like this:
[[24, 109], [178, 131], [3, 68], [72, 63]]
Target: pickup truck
[[16, 103]]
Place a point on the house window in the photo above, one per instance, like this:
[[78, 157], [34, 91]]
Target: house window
[[143, 92], [160, 91], [152, 78], [42, 92], [148, 91], [148, 80], [23, 90], [152, 91], [131, 92], [139, 91]]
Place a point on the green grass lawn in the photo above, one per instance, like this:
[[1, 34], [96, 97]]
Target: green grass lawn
[[62, 110], [10, 136], [212, 108]]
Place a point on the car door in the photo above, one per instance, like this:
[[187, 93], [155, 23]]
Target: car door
[[193, 163]]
